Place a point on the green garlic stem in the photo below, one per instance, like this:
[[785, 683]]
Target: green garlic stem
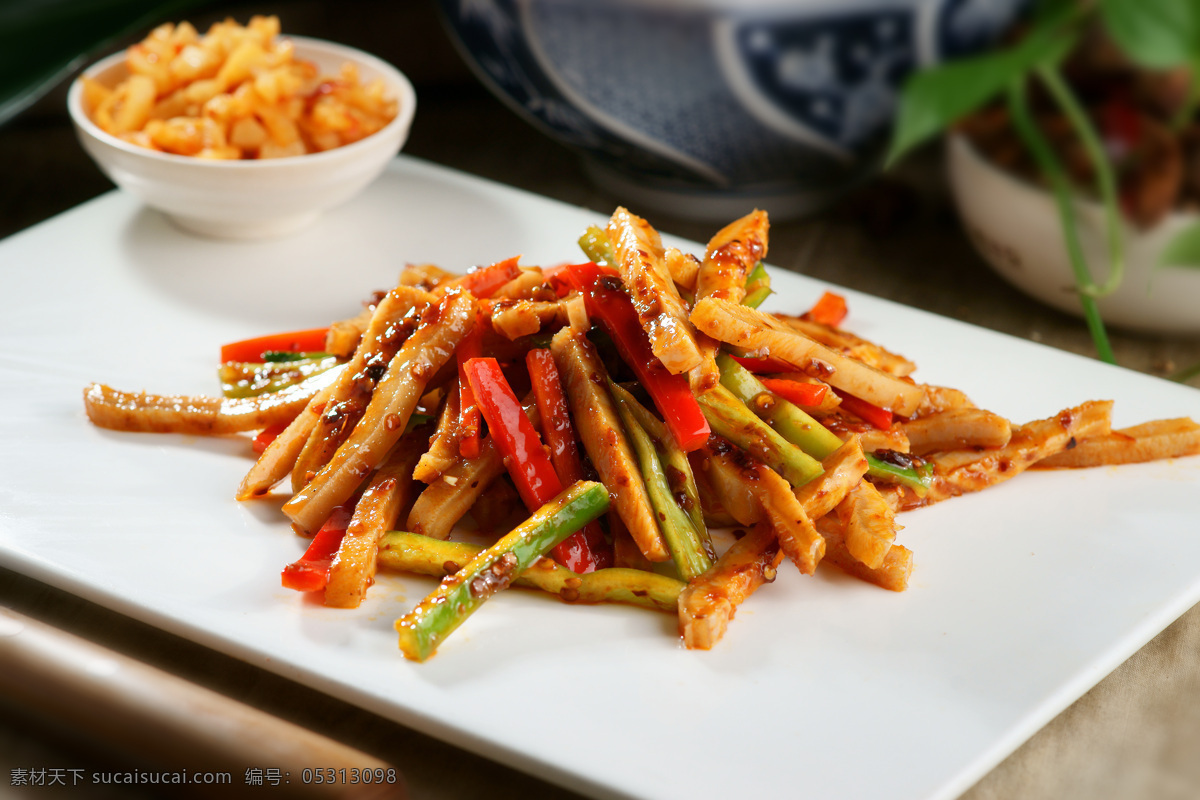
[[1048, 162], [458, 596]]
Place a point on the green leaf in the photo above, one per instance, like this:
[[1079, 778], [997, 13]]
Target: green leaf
[[1155, 33], [1051, 12], [934, 99], [1183, 250]]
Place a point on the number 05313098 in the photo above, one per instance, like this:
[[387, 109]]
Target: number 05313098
[[353, 775]]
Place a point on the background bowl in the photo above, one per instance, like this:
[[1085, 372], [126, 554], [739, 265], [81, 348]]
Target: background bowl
[[702, 108], [1015, 227], [250, 199]]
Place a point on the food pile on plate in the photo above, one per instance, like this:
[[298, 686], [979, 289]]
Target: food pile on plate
[[595, 430]]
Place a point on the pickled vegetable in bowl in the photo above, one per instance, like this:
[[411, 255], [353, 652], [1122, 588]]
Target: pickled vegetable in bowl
[[235, 92], [236, 134]]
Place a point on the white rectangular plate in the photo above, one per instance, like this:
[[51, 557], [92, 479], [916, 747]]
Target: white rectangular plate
[[1023, 597]]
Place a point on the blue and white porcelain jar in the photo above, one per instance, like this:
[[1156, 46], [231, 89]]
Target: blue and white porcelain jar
[[706, 107]]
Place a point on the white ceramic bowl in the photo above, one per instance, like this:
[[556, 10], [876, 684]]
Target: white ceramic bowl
[[250, 199], [1015, 227]]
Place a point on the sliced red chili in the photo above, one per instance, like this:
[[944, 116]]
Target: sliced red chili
[[484, 281], [514, 434], [764, 365], [802, 393], [868, 412], [310, 572], [306, 341], [830, 309], [608, 304], [565, 278], [586, 550], [264, 438], [524, 456], [558, 278], [555, 415]]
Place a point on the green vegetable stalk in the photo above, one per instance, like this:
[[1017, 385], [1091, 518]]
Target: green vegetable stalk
[[595, 245], [758, 286], [675, 464], [254, 378], [280, 356], [796, 426], [425, 555], [731, 419], [690, 546], [792, 422], [459, 595]]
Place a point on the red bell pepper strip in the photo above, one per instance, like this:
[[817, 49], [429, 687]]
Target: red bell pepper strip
[[518, 441], [558, 278], [764, 365], [556, 420], [468, 409], [565, 278], [871, 414], [484, 281], [307, 341], [573, 277], [514, 434], [310, 572], [830, 309], [591, 550], [264, 438], [607, 303], [801, 393]]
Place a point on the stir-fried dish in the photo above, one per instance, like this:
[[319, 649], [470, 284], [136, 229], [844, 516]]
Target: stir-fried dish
[[593, 424]]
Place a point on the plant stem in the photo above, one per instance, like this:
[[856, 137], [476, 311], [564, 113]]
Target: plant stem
[[1106, 184], [1185, 375], [1048, 162], [1188, 109]]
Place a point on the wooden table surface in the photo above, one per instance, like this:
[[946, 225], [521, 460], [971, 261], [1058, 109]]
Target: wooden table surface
[[898, 238]]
